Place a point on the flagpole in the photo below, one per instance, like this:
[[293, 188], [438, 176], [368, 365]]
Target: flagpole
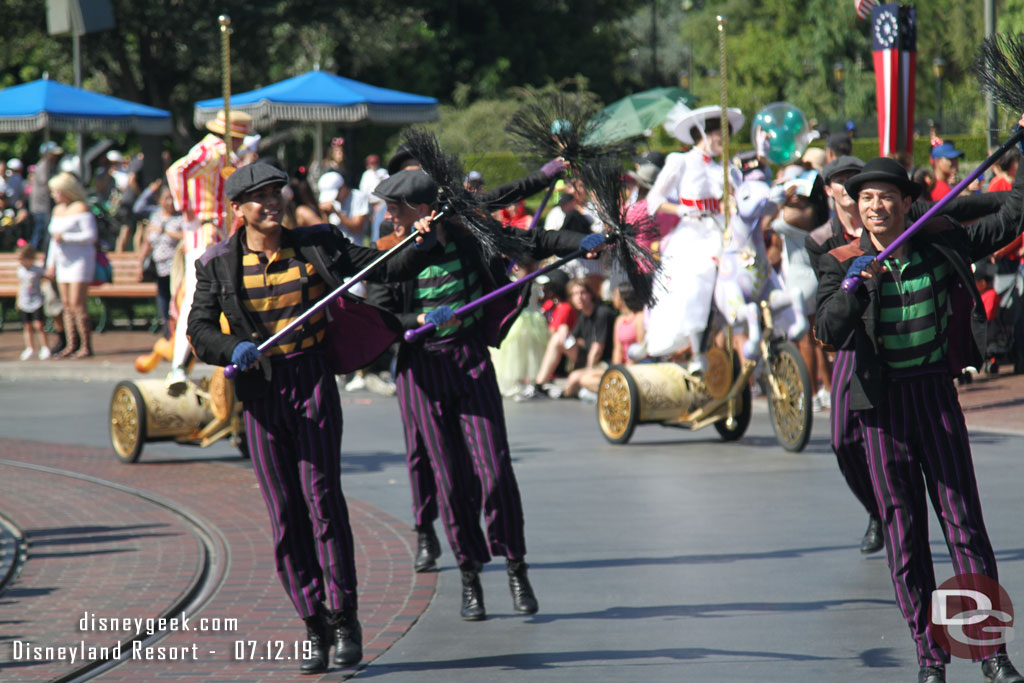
[[725, 125], [225, 46]]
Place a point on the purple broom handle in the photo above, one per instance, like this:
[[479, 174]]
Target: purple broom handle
[[850, 284], [413, 335], [543, 203], [230, 370]]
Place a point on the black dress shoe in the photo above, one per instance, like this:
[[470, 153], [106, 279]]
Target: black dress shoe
[[428, 549], [472, 594], [316, 634], [873, 540], [348, 637], [523, 599], [998, 669], [932, 674]]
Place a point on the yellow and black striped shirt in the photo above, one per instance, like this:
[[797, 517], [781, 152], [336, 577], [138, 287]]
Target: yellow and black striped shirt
[[278, 290]]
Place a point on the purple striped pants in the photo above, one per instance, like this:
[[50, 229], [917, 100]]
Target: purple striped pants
[[917, 446], [449, 397], [847, 436], [294, 434]]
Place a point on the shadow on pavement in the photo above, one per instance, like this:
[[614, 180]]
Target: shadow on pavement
[[545, 660], [708, 610], [688, 559]]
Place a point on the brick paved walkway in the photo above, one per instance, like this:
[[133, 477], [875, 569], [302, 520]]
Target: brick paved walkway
[[98, 549]]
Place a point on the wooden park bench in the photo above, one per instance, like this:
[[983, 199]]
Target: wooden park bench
[[121, 295]]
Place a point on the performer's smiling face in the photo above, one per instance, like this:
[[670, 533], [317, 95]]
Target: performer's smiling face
[[883, 208], [262, 208], [405, 215]]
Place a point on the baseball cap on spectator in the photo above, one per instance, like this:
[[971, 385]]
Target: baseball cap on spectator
[[815, 156], [651, 157], [115, 156], [946, 151], [252, 177], [473, 178], [645, 174], [839, 143], [843, 164], [328, 186], [15, 165], [402, 156]]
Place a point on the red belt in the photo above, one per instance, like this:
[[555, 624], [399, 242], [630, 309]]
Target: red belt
[[709, 205]]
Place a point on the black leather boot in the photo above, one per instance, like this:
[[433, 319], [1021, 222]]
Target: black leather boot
[[428, 549], [348, 637], [523, 599], [472, 593], [316, 634], [873, 540], [998, 669]]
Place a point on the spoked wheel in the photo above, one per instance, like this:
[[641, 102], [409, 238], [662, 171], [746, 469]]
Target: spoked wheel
[[789, 396], [127, 421], [742, 409], [618, 405]]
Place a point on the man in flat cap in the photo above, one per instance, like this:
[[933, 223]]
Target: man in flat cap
[[914, 323], [261, 278], [448, 393]]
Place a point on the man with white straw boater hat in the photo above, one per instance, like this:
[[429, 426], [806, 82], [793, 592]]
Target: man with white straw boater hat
[[196, 182], [690, 185]]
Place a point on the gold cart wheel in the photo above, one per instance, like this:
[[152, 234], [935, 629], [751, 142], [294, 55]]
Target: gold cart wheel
[[127, 421], [743, 409], [790, 408], [617, 404]]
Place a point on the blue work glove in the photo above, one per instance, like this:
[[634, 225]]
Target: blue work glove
[[244, 355], [592, 241], [427, 243], [552, 168], [859, 264], [439, 316]]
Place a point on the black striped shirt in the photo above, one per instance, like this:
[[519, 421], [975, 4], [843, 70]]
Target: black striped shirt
[[278, 290]]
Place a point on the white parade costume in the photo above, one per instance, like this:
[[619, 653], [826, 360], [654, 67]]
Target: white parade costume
[[694, 181]]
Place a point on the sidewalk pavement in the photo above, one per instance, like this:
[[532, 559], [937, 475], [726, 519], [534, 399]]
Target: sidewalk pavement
[[990, 403]]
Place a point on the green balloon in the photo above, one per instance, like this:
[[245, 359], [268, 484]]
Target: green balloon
[[794, 121], [782, 148]]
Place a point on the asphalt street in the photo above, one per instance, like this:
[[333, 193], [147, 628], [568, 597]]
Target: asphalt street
[[675, 558]]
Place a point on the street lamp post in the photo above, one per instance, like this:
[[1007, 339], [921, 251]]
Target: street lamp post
[[938, 66]]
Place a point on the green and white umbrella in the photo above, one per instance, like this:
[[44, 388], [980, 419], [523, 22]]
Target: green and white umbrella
[[636, 114]]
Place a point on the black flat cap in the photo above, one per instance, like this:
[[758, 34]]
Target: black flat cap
[[252, 177], [843, 164], [408, 187], [883, 170]]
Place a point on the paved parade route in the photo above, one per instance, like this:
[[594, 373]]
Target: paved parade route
[[674, 558]]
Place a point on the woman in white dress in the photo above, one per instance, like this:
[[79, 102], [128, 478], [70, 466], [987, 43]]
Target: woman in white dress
[[690, 185], [71, 259]]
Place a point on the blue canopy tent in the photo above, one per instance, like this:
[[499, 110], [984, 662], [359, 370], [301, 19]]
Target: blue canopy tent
[[320, 97], [49, 105]]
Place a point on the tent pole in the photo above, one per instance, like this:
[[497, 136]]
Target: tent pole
[[317, 154], [76, 51]]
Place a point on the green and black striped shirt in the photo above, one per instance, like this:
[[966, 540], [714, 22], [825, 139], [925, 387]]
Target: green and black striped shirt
[[914, 312], [448, 284]]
